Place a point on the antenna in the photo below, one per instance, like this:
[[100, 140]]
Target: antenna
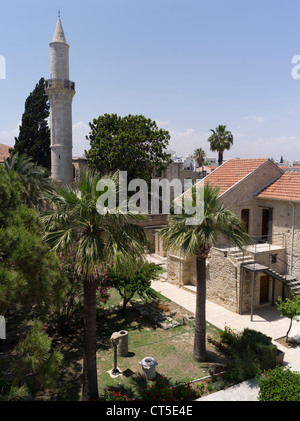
[[58, 13]]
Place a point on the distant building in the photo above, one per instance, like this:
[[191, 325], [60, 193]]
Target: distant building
[[4, 153], [78, 163]]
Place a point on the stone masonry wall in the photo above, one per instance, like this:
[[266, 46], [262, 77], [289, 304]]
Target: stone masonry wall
[[180, 269], [242, 195], [222, 280], [152, 224], [286, 221]]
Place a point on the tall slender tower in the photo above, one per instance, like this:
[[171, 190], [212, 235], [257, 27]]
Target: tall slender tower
[[60, 91]]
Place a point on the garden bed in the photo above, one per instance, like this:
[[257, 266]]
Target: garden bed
[[172, 348], [289, 344]]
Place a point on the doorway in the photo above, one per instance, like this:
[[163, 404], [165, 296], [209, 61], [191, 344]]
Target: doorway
[[266, 225], [245, 214], [264, 289]]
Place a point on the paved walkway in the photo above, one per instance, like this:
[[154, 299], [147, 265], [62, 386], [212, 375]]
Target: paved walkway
[[265, 320]]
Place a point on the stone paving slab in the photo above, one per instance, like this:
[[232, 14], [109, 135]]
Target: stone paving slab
[[245, 391]]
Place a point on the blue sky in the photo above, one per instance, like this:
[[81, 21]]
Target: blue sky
[[189, 65]]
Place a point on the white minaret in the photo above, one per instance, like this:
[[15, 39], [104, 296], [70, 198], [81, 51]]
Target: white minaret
[[60, 91]]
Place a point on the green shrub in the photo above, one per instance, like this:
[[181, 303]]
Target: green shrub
[[201, 388], [35, 364], [253, 351], [229, 336], [279, 384], [161, 390], [111, 395], [15, 393]]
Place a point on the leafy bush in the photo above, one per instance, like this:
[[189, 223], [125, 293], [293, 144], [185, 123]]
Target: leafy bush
[[161, 390], [111, 395], [135, 278], [35, 364], [14, 393], [253, 351], [279, 384], [229, 336], [201, 388]]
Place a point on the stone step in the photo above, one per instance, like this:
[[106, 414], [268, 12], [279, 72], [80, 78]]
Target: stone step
[[291, 282], [189, 288]]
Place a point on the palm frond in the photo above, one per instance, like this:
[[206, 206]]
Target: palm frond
[[90, 253], [217, 220], [100, 239], [60, 240]]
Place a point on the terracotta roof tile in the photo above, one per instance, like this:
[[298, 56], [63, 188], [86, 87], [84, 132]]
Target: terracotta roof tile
[[232, 171], [287, 187]]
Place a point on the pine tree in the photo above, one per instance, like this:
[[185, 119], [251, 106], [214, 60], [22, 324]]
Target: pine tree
[[34, 136]]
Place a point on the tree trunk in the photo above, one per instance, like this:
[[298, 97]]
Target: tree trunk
[[200, 317], [125, 302], [90, 383], [287, 333], [220, 158]]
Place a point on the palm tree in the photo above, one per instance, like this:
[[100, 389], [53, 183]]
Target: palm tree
[[197, 240], [34, 178], [220, 140], [101, 240], [199, 156]]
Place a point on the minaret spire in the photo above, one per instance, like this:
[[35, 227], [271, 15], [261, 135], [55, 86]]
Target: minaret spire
[[59, 35]]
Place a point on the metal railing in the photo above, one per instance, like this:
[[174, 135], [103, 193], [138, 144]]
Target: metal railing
[[259, 244], [287, 270], [262, 244], [275, 239], [60, 83]]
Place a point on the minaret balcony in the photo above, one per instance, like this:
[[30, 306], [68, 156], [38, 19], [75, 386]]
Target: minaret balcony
[[60, 83]]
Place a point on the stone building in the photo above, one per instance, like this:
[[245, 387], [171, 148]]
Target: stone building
[[4, 152], [78, 164], [267, 199]]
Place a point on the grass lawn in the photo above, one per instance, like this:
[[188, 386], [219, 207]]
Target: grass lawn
[[172, 349]]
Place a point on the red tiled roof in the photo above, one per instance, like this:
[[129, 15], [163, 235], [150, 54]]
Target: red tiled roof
[[287, 187], [230, 173], [4, 152]]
